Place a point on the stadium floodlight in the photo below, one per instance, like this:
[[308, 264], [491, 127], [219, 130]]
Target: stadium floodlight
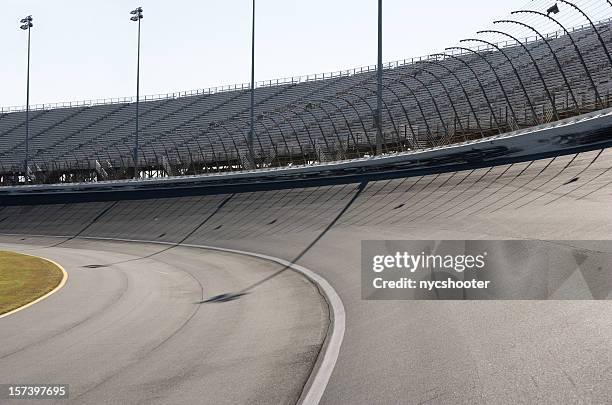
[[27, 22], [27, 25], [137, 16], [379, 95], [251, 134], [553, 10]]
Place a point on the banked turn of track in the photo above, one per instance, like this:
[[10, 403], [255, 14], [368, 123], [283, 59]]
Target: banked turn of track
[[406, 351]]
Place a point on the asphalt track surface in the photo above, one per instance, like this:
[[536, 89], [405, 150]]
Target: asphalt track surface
[[404, 351], [137, 332]]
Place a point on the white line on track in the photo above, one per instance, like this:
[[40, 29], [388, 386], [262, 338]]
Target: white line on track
[[60, 285], [326, 361]]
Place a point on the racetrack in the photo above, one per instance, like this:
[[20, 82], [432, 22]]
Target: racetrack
[[407, 351], [137, 332]]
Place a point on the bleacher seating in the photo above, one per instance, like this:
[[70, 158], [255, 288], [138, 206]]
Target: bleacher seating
[[427, 102]]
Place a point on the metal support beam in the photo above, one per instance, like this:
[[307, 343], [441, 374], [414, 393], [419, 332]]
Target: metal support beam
[[460, 82], [578, 53], [499, 81], [446, 91], [553, 54], [252, 129], [433, 99], [295, 133], [27, 25], [480, 85], [601, 41], [305, 126], [379, 104], [137, 16], [535, 65], [518, 76], [418, 103]]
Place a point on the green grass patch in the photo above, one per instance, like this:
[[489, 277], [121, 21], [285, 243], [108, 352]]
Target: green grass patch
[[23, 279]]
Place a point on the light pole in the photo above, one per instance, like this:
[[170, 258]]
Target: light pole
[[379, 103], [251, 157], [137, 16], [27, 25]]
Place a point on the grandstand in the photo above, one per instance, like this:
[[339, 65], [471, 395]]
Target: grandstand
[[463, 94]]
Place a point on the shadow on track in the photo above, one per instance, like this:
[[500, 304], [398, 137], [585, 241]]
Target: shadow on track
[[183, 239], [233, 296], [93, 221]]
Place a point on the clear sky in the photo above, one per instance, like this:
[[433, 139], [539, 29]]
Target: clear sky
[[86, 49]]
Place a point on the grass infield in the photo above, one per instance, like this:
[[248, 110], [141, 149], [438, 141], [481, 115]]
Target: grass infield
[[23, 279]]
